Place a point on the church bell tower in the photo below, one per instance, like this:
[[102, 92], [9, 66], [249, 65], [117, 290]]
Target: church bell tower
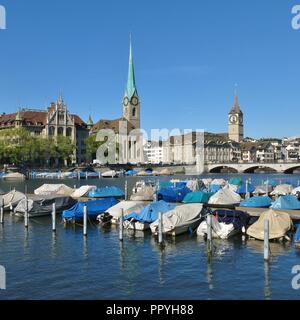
[[236, 122]]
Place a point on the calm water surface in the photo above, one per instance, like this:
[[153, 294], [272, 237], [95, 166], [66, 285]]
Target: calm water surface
[[41, 265]]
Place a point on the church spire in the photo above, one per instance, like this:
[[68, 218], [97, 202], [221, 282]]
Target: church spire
[[131, 87]]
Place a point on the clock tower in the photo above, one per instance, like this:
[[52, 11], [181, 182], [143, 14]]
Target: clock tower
[[131, 101], [236, 122]]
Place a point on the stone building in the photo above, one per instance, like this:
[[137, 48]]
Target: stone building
[[55, 121], [236, 122]]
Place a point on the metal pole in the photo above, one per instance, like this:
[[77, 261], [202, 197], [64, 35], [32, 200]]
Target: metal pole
[[26, 213], [267, 187], [54, 217], [86, 176], [2, 211], [126, 190], [78, 175], [209, 233], [266, 241], [160, 228], [121, 226], [99, 175], [85, 214]]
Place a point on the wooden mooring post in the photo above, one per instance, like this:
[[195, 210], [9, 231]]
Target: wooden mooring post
[[266, 241]]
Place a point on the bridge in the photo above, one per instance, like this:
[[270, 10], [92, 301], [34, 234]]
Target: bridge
[[286, 168]]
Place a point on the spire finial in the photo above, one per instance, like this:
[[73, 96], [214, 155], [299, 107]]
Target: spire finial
[[235, 89]]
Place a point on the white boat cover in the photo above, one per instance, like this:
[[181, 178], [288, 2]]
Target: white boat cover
[[207, 182], [233, 187], [279, 224], [128, 208], [296, 191], [166, 172], [143, 174], [146, 193], [282, 190], [180, 216], [225, 196], [82, 191], [53, 189], [219, 182], [12, 198], [193, 185], [264, 189], [14, 176], [219, 229], [109, 174]]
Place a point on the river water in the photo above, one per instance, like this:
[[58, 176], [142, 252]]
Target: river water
[[40, 265]]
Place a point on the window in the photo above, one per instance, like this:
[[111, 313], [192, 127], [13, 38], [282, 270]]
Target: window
[[134, 112], [60, 131], [51, 131], [69, 132]]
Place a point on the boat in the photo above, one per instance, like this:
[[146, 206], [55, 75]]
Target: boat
[[173, 194], [11, 199], [147, 193], [114, 213], [131, 173], [196, 185], [246, 188], [53, 189], [82, 191], [257, 202], [215, 188], [219, 182], [263, 189], [182, 219], [296, 192], [225, 224], [39, 206], [141, 220], [282, 190], [166, 172], [226, 197], [286, 203], [236, 181], [110, 174], [280, 224], [297, 236], [94, 209], [197, 197], [16, 176], [106, 192]]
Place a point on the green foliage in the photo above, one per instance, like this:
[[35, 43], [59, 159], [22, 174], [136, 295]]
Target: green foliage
[[18, 146]]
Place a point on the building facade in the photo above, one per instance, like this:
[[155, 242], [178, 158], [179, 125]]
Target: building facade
[[236, 122]]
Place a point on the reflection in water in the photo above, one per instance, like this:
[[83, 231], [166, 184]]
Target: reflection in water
[[267, 289], [277, 249], [210, 274], [161, 265], [122, 256], [85, 247], [53, 245]]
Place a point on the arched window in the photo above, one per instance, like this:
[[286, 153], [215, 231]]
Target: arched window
[[51, 131], [69, 132], [60, 131], [134, 112]]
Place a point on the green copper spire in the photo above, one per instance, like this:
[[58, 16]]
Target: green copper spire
[[131, 88], [19, 117], [90, 121]]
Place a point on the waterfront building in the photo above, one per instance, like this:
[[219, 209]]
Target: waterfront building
[[153, 152], [55, 121]]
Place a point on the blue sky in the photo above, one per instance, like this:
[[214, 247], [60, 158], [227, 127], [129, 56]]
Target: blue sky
[[188, 56]]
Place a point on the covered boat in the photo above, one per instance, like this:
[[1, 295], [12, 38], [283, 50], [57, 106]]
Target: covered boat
[[236, 181], [179, 220], [286, 203], [127, 207], [43, 205], [172, 194], [131, 173], [94, 209], [279, 224], [106, 192], [263, 189], [297, 236], [225, 197], [14, 176], [219, 182], [225, 224], [141, 220], [246, 188], [296, 191], [146, 193], [82, 191], [215, 188], [166, 172], [196, 185], [282, 190], [109, 174], [197, 197], [12, 198], [53, 189], [257, 202]]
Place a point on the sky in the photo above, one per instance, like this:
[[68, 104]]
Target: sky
[[188, 56]]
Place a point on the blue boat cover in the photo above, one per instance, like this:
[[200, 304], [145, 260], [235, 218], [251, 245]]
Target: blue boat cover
[[173, 194], [236, 181], [297, 234], [286, 203], [131, 173], [243, 189], [215, 188], [106, 192], [239, 219], [197, 197], [94, 208], [257, 202], [150, 213]]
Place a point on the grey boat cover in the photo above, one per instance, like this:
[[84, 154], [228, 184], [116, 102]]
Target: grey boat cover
[[145, 194], [264, 189], [279, 224], [178, 217], [282, 190], [53, 189], [40, 206], [82, 191], [12, 198], [127, 206], [225, 196]]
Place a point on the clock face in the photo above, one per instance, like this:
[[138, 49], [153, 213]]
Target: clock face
[[233, 119], [126, 101], [135, 101]]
